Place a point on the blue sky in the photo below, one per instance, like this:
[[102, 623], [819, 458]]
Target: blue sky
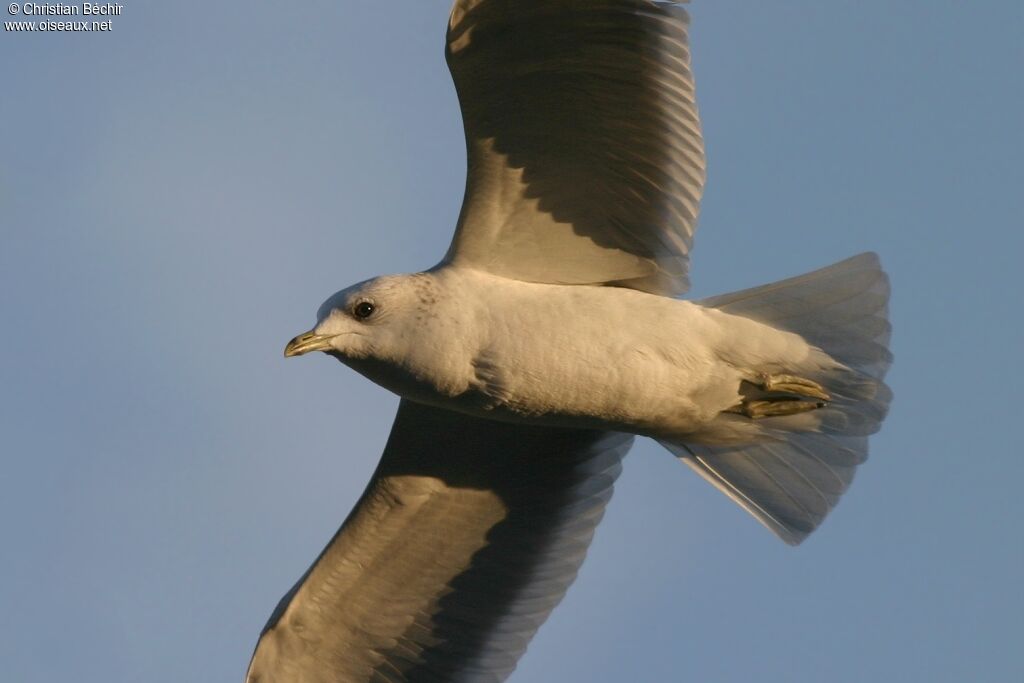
[[177, 196]]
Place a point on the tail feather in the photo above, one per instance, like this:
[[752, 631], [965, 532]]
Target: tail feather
[[842, 309], [792, 477]]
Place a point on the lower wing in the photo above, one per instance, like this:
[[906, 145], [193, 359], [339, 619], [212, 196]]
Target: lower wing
[[466, 538]]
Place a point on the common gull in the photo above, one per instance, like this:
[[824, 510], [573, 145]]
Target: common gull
[[547, 337]]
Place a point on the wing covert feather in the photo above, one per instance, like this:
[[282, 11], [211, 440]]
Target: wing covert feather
[[468, 535]]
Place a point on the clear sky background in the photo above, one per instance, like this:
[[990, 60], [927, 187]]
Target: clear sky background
[[177, 196]]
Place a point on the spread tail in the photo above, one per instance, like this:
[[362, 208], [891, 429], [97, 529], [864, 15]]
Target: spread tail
[[793, 477]]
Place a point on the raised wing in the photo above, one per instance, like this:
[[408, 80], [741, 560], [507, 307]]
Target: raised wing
[[466, 538], [586, 162]]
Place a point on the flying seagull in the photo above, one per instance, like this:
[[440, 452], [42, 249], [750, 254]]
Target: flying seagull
[[548, 336]]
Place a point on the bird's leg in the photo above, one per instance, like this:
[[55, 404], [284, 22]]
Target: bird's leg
[[777, 395], [791, 384], [776, 407]]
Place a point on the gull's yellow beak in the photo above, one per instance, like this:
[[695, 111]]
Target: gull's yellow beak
[[307, 342]]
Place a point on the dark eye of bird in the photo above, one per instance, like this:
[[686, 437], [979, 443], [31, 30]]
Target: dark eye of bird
[[363, 310]]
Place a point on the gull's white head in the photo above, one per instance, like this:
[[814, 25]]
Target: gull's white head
[[377, 318]]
